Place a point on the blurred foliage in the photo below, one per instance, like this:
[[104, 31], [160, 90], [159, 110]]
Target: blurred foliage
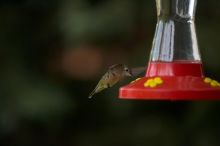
[[51, 55]]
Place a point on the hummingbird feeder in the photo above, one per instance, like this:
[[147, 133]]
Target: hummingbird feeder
[[175, 70]]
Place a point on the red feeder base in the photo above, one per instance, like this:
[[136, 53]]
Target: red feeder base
[[172, 81]]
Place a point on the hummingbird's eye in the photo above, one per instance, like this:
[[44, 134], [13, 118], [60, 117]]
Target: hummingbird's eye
[[126, 70]]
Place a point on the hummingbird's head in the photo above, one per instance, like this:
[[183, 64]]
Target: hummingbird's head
[[127, 71]]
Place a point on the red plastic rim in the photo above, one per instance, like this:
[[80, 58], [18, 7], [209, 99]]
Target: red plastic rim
[[172, 81], [173, 88]]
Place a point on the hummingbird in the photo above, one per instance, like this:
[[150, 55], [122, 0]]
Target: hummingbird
[[114, 74]]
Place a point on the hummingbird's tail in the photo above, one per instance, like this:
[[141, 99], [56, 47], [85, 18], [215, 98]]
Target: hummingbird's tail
[[96, 90], [91, 94]]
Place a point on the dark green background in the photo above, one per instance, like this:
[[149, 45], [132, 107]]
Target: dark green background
[[43, 99]]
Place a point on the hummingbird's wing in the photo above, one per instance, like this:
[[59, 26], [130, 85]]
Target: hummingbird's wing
[[137, 70], [115, 66]]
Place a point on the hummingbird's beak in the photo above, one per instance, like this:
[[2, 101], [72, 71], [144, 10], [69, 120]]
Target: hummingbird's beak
[[131, 74]]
